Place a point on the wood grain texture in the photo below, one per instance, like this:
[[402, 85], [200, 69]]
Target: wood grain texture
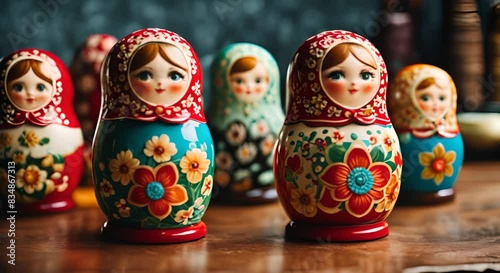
[[250, 239]]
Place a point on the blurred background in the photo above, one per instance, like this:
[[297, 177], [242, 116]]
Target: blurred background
[[457, 35]]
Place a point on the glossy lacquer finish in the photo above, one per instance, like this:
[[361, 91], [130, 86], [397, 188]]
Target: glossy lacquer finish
[[422, 102], [39, 133], [244, 116], [337, 161], [153, 155]]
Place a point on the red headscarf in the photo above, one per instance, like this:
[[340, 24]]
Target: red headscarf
[[57, 111], [120, 101], [307, 100]]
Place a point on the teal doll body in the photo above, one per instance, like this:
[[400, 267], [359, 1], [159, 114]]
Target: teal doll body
[[153, 154], [431, 164], [245, 117], [149, 205]]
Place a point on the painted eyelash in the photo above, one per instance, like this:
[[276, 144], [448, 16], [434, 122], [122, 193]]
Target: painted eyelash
[[178, 73], [141, 72], [331, 73]]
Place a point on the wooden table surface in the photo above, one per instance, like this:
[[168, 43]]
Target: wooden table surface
[[250, 239]]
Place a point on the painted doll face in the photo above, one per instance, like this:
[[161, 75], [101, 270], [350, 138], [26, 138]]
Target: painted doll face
[[31, 92], [353, 82], [251, 85], [433, 100], [164, 79]]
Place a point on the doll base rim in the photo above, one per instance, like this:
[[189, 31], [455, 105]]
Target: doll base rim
[[117, 232], [412, 198], [332, 234]]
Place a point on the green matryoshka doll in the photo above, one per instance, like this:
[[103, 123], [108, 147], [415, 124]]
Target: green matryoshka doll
[[244, 116]]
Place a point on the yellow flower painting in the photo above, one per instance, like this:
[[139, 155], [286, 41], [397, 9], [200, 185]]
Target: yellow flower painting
[[437, 164]]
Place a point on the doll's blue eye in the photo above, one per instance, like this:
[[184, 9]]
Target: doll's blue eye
[[424, 98], [441, 98], [239, 81], [258, 80], [336, 75], [175, 76], [366, 75], [40, 87], [18, 87], [144, 75]]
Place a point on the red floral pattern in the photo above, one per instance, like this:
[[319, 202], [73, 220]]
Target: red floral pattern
[[336, 176], [165, 174]]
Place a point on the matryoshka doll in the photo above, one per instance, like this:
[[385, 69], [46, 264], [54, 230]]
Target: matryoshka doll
[[41, 143], [422, 103], [245, 117], [153, 154], [85, 71], [337, 161]]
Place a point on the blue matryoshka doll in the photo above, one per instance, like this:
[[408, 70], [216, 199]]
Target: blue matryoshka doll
[[422, 103], [153, 155]]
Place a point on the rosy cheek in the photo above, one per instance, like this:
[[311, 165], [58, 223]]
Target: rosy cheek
[[334, 86], [16, 97], [140, 87], [42, 96], [176, 87], [423, 106], [238, 89], [367, 88], [258, 90]]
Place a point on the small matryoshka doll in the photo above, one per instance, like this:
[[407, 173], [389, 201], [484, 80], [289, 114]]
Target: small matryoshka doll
[[41, 143], [245, 117], [153, 154], [337, 161], [85, 71], [422, 103]]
